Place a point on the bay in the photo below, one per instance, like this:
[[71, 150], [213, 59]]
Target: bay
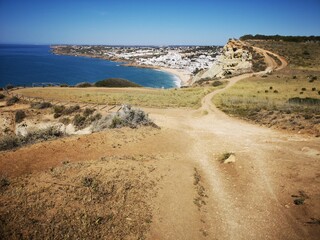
[[24, 65]]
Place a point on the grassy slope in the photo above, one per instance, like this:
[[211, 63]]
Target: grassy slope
[[304, 56], [189, 97], [248, 98]]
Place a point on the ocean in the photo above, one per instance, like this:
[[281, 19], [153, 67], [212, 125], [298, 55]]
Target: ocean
[[25, 65]]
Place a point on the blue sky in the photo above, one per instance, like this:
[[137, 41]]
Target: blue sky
[[160, 22]]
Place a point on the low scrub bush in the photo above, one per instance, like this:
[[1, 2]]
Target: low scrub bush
[[62, 110], [79, 121], [217, 83], [116, 82], [88, 111], [305, 101], [9, 86], [12, 141], [65, 121], [9, 142], [126, 117], [70, 110], [95, 117], [19, 116], [11, 101], [41, 105], [58, 109], [2, 96]]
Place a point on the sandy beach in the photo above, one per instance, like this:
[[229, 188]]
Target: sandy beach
[[180, 73]]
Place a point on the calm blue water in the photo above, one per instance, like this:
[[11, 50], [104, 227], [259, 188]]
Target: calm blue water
[[26, 64]]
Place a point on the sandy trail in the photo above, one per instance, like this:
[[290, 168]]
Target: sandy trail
[[246, 199]]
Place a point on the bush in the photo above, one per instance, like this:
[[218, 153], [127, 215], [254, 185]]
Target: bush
[[64, 85], [20, 115], [65, 121], [12, 101], [58, 111], [83, 85], [2, 96], [116, 122], [10, 142], [41, 105], [126, 117], [9, 86], [130, 117], [88, 111], [216, 83], [116, 82], [71, 110], [95, 117], [79, 121]]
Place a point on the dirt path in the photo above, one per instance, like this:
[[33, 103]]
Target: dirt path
[[199, 197], [250, 199]]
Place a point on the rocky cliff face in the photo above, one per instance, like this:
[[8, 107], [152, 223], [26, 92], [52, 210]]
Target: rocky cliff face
[[235, 59]]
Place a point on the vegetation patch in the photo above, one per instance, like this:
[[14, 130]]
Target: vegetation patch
[[275, 101], [158, 98], [116, 82], [19, 116], [12, 141], [126, 117], [11, 101], [41, 105]]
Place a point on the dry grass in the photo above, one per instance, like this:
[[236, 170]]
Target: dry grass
[[105, 199], [299, 55], [143, 97], [270, 93], [265, 100]]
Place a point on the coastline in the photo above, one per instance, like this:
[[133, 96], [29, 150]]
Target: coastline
[[183, 78], [182, 75]]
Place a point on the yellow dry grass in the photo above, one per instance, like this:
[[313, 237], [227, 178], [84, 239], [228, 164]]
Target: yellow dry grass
[[270, 93], [144, 97]]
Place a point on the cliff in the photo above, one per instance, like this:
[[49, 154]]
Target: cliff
[[235, 59]]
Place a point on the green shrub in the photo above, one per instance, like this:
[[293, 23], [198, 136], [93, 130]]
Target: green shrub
[[79, 121], [116, 122], [41, 105], [65, 121], [70, 110], [88, 111], [19, 116], [9, 142], [116, 82], [216, 83], [11, 101], [2, 96], [95, 117]]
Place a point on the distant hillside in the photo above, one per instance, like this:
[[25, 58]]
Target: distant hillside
[[116, 82], [280, 38]]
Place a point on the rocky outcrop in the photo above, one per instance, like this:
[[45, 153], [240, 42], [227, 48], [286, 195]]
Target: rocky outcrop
[[235, 59]]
